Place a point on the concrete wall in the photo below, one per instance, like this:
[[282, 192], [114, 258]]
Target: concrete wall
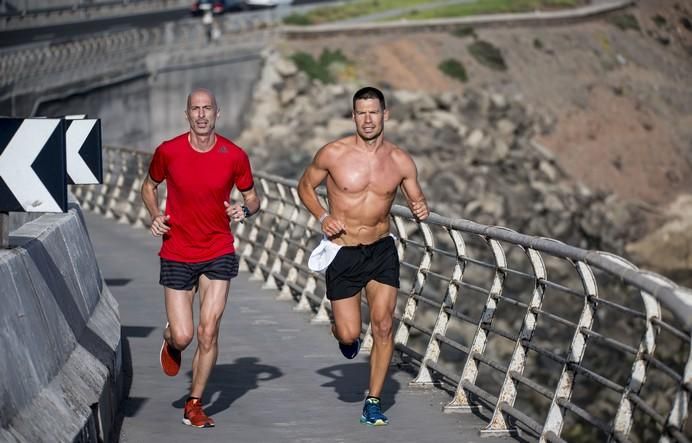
[[142, 113], [59, 336]]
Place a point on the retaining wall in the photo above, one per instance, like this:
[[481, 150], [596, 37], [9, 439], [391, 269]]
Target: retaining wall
[[60, 375]]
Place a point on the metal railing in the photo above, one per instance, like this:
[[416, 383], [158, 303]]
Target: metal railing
[[560, 343], [60, 69], [23, 13], [46, 64]]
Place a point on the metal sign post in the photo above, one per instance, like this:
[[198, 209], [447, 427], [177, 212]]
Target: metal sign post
[[4, 230]]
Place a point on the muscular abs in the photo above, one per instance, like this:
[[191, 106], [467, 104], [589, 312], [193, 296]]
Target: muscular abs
[[361, 195]]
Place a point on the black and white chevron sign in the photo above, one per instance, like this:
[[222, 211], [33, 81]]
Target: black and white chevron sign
[[83, 144], [32, 165]]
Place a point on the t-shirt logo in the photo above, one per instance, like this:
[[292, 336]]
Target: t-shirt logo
[[223, 150]]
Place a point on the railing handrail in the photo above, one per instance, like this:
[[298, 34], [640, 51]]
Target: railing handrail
[[676, 298], [75, 7]]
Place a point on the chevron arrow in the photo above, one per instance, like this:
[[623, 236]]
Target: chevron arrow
[[85, 136], [32, 165]]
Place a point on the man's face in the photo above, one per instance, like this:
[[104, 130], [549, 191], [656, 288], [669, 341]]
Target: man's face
[[202, 113], [369, 117]]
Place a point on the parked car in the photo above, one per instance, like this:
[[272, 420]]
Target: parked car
[[200, 6]]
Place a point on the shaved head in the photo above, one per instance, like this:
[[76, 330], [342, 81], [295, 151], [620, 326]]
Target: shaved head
[[200, 91], [202, 112]]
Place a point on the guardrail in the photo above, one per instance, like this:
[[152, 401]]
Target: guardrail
[[45, 65], [560, 343], [27, 16], [52, 70]]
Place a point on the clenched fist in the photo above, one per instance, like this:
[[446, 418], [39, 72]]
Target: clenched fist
[[159, 225], [332, 226], [419, 209], [235, 212]]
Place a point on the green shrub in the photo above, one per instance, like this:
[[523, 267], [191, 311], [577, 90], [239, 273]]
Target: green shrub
[[487, 54], [327, 57], [659, 20], [453, 68], [319, 69], [306, 63], [537, 44], [297, 19], [625, 22]]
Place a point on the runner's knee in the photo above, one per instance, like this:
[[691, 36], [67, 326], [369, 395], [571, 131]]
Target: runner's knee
[[346, 334], [181, 339], [207, 334], [381, 328]]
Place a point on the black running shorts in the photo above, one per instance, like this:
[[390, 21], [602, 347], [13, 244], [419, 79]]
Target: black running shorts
[[354, 266], [185, 276]]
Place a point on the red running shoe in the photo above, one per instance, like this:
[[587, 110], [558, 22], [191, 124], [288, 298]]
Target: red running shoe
[[170, 359], [195, 416]]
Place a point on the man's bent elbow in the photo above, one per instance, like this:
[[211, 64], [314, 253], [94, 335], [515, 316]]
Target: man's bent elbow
[[303, 188], [147, 189]]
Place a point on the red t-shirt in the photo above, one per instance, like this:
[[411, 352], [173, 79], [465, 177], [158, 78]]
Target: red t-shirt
[[198, 183]]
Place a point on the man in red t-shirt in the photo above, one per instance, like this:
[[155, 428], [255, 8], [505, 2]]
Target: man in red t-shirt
[[200, 168]]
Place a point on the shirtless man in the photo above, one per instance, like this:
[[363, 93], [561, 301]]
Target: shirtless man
[[363, 172]]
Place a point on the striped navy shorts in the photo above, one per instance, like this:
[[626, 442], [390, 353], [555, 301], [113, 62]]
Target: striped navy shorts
[[185, 276]]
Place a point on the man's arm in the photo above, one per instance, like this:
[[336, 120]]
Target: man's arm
[[250, 200], [411, 188], [315, 174], [311, 179], [150, 197]]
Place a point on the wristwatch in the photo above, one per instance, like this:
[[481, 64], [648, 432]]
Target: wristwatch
[[246, 211]]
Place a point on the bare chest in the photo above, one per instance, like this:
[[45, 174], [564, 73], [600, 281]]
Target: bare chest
[[357, 173]]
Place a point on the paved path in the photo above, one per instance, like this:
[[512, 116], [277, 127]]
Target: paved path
[[278, 378]]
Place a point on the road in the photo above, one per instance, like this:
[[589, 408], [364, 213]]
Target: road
[[69, 31], [60, 32]]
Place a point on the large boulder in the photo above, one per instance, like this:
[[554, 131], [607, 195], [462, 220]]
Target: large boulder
[[668, 249]]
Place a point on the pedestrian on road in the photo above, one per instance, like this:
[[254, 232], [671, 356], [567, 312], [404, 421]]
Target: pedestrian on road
[[200, 168], [362, 174]]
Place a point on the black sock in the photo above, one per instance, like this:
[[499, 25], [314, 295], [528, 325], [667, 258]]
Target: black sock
[[373, 397]]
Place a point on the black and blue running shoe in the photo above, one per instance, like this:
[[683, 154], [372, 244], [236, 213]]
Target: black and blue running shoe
[[372, 413], [350, 351]]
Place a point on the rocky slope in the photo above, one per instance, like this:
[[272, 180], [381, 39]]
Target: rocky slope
[[587, 137], [476, 154]]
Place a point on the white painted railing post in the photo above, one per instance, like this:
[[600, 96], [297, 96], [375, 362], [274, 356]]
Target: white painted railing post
[[460, 402]]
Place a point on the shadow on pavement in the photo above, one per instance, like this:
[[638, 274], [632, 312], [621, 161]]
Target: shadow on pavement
[[350, 382], [232, 381]]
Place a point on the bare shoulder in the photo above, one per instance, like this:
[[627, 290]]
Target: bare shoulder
[[330, 152], [339, 145], [401, 157]]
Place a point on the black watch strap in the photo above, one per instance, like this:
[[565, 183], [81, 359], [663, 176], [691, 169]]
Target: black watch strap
[[246, 211]]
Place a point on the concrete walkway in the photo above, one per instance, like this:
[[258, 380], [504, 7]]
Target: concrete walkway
[[278, 378]]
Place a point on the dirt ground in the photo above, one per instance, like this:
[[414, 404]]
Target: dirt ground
[[621, 99]]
